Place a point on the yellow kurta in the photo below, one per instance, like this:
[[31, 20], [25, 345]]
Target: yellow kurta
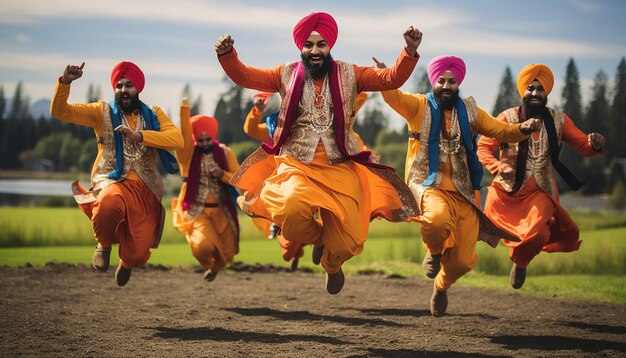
[[210, 234], [450, 223], [126, 212]]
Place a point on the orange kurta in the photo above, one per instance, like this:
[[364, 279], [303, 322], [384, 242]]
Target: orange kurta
[[532, 214], [292, 192], [126, 212], [210, 233]]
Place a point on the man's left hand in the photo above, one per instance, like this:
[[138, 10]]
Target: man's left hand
[[530, 126], [134, 136], [413, 38], [596, 140]]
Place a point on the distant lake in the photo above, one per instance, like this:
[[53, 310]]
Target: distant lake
[[36, 187]]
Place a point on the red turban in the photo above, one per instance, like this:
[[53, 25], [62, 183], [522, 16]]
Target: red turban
[[131, 72], [441, 64], [533, 72], [203, 124], [321, 22]]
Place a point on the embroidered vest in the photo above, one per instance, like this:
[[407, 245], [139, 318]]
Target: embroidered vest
[[140, 158], [452, 148], [305, 133], [538, 163]]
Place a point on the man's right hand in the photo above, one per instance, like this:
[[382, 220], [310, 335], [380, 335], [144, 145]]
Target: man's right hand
[[260, 103], [224, 45], [72, 73]]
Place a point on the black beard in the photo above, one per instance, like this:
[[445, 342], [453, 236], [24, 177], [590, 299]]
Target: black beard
[[206, 150], [446, 103], [315, 72], [132, 106], [534, 110]]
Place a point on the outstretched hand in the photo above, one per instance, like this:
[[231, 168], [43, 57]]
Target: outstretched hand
[[379, 64], [224, 45], [596, 140], [413, 38], [72, 73], [530, 126]]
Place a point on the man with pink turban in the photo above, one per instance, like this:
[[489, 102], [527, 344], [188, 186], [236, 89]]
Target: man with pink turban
[[523, 197], [124, 200], [313, 163], [205, 210], [444, 174]]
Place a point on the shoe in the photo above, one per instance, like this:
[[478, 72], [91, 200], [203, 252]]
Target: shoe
[[100, 259], [438, 302], [293, 264], [517, 276], [274, 230], [334, 282], [431, 264], [210, 275], [122, 274], [318, 251]]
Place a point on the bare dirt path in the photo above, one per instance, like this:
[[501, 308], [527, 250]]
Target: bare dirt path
[[70, 310]]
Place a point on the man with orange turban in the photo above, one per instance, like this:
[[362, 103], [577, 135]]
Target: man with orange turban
[[444, 174], [205, 210], [313, 162], [124, 201], [523, 197]]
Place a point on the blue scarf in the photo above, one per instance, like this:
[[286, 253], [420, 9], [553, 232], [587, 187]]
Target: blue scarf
[[474, 166], [152, 123], [271, 122]]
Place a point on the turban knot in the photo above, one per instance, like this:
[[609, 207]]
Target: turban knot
[[441, 64], [203, 124], [534, 71], [321, 22], [129, 70]]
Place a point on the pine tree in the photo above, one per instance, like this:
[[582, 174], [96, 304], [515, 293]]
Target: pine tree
[[373, 121], [3, 104], [572, 106], [507, 95], [422, 83], [231, 111], [93, 93], [616, 147], [196, 105], [596, 115]]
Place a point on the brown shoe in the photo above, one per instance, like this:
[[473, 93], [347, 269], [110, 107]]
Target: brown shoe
[[431, 264], [517, 276], [293, 264], [122, 274], [334, 282], [438, 302], [210, 275], [318, 251], [100, 259]]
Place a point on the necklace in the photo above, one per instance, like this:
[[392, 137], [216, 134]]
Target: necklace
[[132, 150], [319, 108]]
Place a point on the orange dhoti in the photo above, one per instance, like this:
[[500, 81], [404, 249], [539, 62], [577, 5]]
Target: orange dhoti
[[450, 226], [536, 218], [127, 213]]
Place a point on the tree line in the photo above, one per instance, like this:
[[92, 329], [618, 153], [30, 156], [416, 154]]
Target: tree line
[[27, 141]]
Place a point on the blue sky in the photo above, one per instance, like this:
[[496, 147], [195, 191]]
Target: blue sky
[[172, 41]]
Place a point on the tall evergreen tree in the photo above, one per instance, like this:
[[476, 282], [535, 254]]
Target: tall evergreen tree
[[3, 104], [422, 83], [372, 121], [572, 106], [616, 147], [507, 94], [93, 93], [596, 120], [231, 111], [196, 105]]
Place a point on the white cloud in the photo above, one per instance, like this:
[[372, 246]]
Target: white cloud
[[23, 39]]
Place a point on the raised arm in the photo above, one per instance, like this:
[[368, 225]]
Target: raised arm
[[253, 126], [588, 145], [89, 115]]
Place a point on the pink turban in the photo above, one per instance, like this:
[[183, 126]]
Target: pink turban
[[203, 124], [131, 72], [321, 22], [533, 72], [441, 64]]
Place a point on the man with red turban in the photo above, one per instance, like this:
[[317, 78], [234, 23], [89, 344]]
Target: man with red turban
[[124, 201], [205, 209], [313, 162], [444, 174], [523, 197]]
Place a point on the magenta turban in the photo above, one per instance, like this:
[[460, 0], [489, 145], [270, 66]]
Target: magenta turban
[[321, 22], [441, 64], [131, 72]]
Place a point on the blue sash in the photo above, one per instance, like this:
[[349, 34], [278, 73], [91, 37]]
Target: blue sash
[[152, 123], [474, 166], [271, 121]]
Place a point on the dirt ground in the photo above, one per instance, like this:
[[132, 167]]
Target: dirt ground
[[70, 310]]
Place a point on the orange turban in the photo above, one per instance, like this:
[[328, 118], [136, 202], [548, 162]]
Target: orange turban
[[131, 72], [534, 71], [203, 124], [322, 23]]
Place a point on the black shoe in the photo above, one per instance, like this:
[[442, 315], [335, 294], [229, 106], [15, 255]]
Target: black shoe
[[274, 231], [210, 275], [334, 282], [101, 258], [517, 276], [318, 251], [438, 302], [122, 274], [431, 264], [293, 264]]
